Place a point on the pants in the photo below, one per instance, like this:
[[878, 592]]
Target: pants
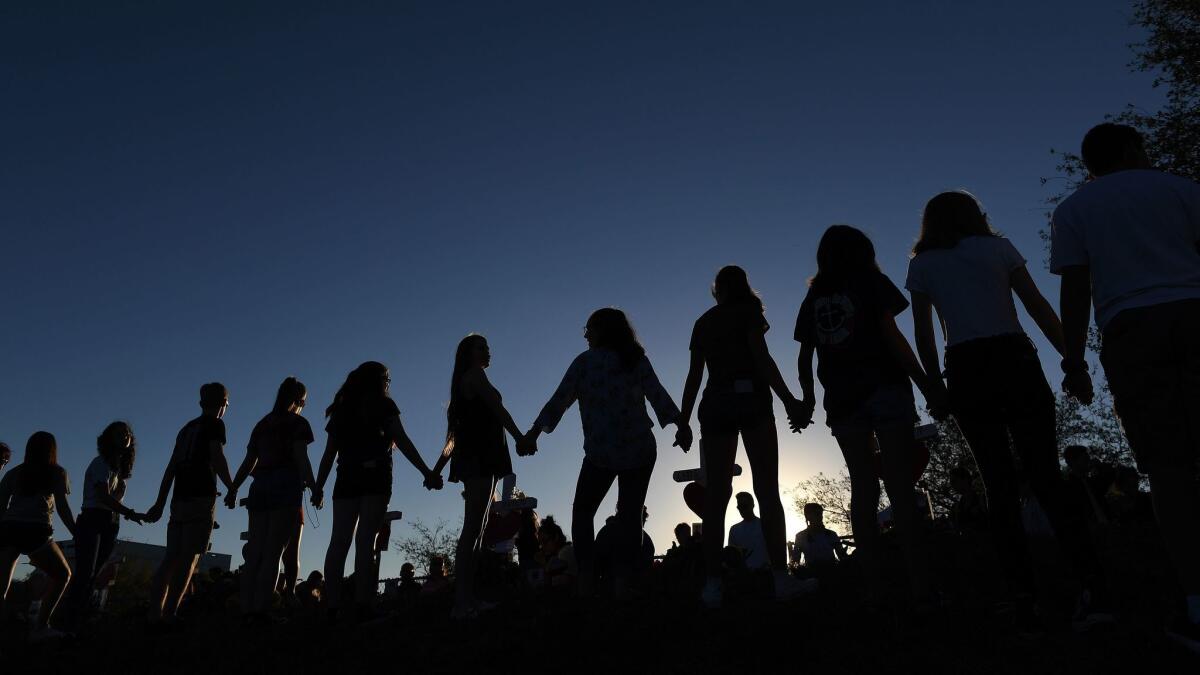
[[95, 535], [594, 484]]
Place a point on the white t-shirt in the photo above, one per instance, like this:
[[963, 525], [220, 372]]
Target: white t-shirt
[[817, 546], [98, 472], [748, 536], [970, 285], [1137, 230]]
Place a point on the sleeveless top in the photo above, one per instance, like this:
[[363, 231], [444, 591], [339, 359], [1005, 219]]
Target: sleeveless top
[[480, 445]]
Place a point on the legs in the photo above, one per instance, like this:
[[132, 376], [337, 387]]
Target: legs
[[762, 449], [896, 449], [345, 520], [274, 529], [591, 488], [50, 560], [257, 533], [858, 449], [8, 563], [87, 561], [632, 486], [477, 502], [291, 558], [719, 451], [366, 572]]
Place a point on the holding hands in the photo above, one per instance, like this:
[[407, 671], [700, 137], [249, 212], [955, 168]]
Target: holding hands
[[231, 498], [527, 444], [1077, 382], [937, 399], [318, 498], [154, 514], [433, 481], [683, 434], [799, 413]]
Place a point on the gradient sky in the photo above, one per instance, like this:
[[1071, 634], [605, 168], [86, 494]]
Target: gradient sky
[[242, 192]]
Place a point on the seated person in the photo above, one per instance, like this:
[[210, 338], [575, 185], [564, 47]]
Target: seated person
[[818, 547]]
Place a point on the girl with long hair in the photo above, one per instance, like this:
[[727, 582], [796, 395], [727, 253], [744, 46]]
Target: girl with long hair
[[29, 496], [104, 484], [865, 365], [277, 458], [729, 340], [364, 425], [477, 451], [612, 380], [997, 390]]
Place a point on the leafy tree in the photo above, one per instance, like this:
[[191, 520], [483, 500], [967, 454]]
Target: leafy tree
[[426, 541]]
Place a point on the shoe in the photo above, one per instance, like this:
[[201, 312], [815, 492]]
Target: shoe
[[788, 587], [710, 595], [46, 633], [1184, 633]]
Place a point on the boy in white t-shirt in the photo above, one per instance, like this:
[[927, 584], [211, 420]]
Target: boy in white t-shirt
[[818, 546], [1127, 242]]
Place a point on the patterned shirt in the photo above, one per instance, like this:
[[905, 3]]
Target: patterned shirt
[[617, 432]]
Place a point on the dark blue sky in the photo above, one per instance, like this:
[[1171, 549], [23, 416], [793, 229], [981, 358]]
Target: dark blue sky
[[245, 191]]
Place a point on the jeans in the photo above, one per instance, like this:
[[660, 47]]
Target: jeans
[[594, 484], [997, 391]]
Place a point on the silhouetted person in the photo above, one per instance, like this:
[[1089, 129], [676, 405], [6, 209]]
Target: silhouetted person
[[729, 340], [309, 591], [364, 424], [99, 519], [997, 390], [747, 535], [612, 380], [408, 588], [437, 576], [277, 458], [1127, 242], [818, 547], [608, 543], [556, 554], [291, 557], [196, 463], [848, 319], [29, 496], [477, 450]]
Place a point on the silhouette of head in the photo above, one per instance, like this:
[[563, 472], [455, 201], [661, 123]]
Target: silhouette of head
[[609, 328], [1078, 459], [1108, 148], [551, 536], [472, 352], [814, 514], [214, 399], [118, 447], [315, 577], [732, 286], [407, 571], [683, 534], [367, 383], [40, 466], [437, 566], [5, 455], [745, 504], [950, 217], [843, 254], [292, 392]]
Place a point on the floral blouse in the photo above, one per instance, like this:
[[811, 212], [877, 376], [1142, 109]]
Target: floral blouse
[[617, 432]]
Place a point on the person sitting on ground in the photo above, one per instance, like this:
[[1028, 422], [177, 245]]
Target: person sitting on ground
[[308, 592], [409, 589], [29, 496], [747, 535], [437, 576], [557, 554], [818, 547]]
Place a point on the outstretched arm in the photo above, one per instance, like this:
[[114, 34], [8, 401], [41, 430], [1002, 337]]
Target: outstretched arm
[[934, 393], [804, 371], [403, 443], [478, 385], [691, 386], [327, 458], [216, 456], [767, 369], [562, 399], [1074, 305], [164, 488], [1039, 308], [64, 508]]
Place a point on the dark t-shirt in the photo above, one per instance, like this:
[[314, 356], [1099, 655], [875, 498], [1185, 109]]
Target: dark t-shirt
[[362, 436], [274, 437], [721, 337], [194, 474], [843, 325]]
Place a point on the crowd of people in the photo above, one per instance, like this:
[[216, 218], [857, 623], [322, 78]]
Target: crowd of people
[[1126, 242]]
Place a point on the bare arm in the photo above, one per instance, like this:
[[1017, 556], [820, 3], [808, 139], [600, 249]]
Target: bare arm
[[477, 384], [405, 445], [244, 470], [804, 371], [300, 458], [933, 389], [111, 502], [216, 458], [64, 510], [923, 331], [1039, 309], [767, 369], [1074, 305], [164, 488], [327, 458], [691, 386]]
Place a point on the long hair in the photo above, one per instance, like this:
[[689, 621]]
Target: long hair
[[40, 467], [366, 383], [610, 329], [844, 254], [118, 457], [733, 283], [948, 219], [463, 359], [290, 391]]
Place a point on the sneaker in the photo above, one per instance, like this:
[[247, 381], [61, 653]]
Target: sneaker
[[787, 587], [1185, 633], [46, 633], [710, 595]]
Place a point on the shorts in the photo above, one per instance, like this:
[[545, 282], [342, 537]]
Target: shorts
[[1151, 356], [275, 489], [190, 527], [727, 412], [25, 537], [353, 482], [890, 406]]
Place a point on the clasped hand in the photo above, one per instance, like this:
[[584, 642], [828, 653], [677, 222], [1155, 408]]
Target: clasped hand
[[799, 413], [527, 445]]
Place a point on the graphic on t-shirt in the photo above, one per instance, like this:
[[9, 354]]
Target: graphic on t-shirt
[[832, 315]]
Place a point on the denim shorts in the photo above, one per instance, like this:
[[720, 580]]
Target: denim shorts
[[888, 407]]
